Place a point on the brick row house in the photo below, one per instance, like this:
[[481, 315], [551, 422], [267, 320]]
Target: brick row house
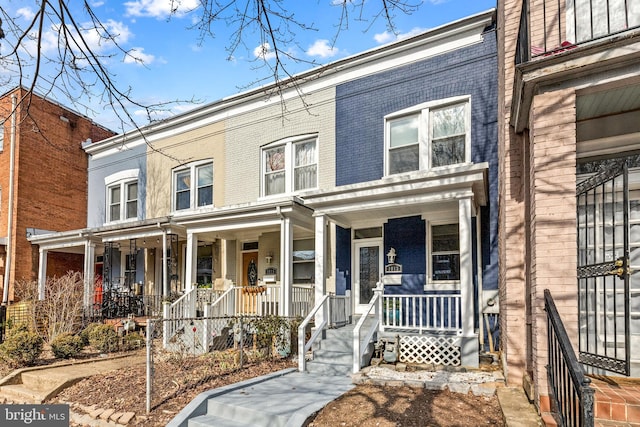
[[569, 132], [382, 171], [44, 187]]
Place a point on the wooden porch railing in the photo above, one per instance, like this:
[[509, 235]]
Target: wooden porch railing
[[421, 313]]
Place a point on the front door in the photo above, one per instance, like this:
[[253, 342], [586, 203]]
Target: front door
[[368, 268]]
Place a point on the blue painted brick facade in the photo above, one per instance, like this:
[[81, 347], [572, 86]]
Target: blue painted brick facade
[[362, 104]]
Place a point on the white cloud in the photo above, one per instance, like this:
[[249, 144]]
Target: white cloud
[[136, 55], [438, 1], [264, 52], [388, 37], [160, 8], [385, 37], [26, 13], [322, 49]]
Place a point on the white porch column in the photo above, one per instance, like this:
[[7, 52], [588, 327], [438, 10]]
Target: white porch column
[[286, 266], [191, 263], [320, 265], [469, 344], [165, 280], [89, 272], [42, 273]]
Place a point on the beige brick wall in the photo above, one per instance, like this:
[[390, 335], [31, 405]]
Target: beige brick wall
[[511, 206], [553, 222], [246, 133], [164, 155]]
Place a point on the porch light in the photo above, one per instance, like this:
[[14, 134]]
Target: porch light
[[269, 257], [391, 256]]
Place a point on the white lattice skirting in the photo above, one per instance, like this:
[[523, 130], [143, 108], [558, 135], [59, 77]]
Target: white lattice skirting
[[440, 350]]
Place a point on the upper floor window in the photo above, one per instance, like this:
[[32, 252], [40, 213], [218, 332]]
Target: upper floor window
[[193, 186], [122, 196], [428, 136], [290, 166]]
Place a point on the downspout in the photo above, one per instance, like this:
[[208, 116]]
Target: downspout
[[12, 143], [479, 275]]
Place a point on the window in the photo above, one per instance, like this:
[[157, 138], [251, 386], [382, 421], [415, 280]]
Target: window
[[1, 136], [290, 166], [123, 201], [428, 136], [445, 252], [193, 186]]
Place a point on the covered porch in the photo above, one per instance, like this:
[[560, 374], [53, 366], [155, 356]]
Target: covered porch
[[408, 249]]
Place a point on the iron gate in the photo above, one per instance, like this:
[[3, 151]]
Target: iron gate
[[603, 266]]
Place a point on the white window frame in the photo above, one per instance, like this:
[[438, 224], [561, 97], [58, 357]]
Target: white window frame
[[289, 166], [425, 132], [122, 180], [1, 136], [192, 168], [430, 283]]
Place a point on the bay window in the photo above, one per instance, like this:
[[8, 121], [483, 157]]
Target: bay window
[[193, 186], [428, 136], [290, 166]]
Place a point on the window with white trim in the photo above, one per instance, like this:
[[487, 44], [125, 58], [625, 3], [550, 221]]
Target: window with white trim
[[445, 252], [428, 136], [122, 196], [123, 201], [193, 186], [290, 166]]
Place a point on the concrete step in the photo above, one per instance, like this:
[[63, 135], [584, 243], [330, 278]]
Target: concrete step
[[18, 393], [329, 369], [212, 420], [329, 355], [243, 415], [43, 380]]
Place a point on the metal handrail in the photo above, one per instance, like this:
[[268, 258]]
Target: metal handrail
[[302, 346], [570, 387]]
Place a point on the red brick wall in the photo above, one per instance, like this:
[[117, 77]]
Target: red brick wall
[[50, 192]]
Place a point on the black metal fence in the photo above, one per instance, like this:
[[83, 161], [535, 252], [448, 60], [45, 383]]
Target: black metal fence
[[553, 26], [571, 393], [112, 305]]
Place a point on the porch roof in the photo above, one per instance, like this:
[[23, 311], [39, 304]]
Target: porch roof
[[403, 194], [268, 214], [73, 241]]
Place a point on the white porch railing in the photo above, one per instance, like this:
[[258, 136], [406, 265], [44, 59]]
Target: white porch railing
[[340, 311], [361, 341], [182, 308], [421, 313], [304, 347]]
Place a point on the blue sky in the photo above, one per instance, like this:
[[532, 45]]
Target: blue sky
[[174, 64]]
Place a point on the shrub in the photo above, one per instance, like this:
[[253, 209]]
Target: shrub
[[103, 338], [133, 341], [86, 331], [22, 347], [67, 345]]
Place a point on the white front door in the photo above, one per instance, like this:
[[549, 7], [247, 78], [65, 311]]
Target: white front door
[[368, 268]]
